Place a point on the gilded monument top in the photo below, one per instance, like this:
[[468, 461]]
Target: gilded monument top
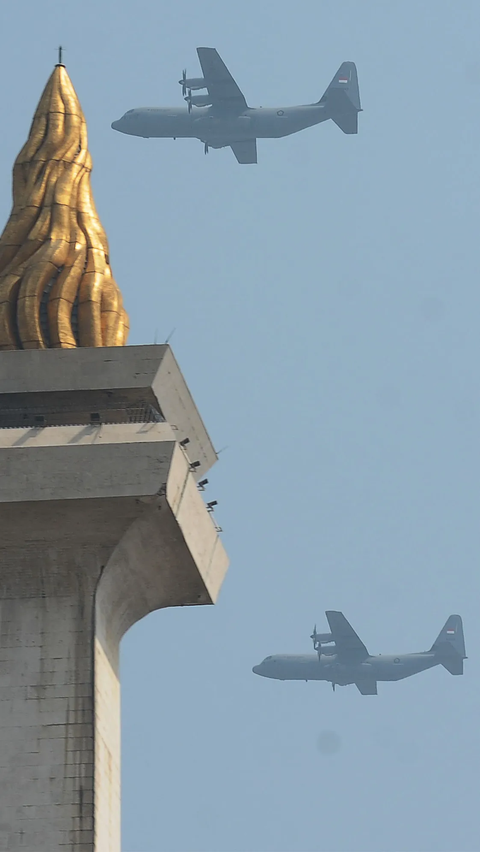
[[56, 285]]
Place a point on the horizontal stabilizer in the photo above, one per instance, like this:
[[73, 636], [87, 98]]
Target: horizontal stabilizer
[[454, 665], [347, 121]]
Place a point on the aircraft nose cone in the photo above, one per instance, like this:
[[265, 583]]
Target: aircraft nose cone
[[255, 669], [114, 125]]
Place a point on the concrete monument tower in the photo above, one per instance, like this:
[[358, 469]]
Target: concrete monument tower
[[101, 518]]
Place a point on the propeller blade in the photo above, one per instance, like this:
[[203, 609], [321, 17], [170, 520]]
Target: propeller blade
[[182, 81], [206, 148]]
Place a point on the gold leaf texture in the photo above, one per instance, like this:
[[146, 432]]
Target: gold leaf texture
[[56, 284]]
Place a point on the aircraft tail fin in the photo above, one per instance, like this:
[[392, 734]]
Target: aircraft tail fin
[[449, 645], [342, 98]]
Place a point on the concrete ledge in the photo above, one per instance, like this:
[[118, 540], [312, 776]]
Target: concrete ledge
[[132, 375], [70, 436], [75, 462], [94, 486]]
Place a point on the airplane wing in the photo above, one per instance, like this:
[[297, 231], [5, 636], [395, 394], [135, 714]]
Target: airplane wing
[[221, 86], [367, 687], [246, 151], [350, 648]]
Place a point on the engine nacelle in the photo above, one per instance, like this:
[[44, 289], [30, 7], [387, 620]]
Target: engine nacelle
[[323, 637], [326, 650], [199, 100], [193, 83]]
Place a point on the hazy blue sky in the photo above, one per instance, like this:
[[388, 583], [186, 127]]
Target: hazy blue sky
[[327, 311]]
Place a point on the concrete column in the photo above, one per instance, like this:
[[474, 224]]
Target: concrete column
[[101, 522]]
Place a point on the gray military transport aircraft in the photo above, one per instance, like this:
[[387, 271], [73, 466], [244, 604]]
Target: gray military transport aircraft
[[348, 661], [222, 118]]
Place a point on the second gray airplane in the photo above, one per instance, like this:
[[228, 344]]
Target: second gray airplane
[[222, 118], [348, 661]]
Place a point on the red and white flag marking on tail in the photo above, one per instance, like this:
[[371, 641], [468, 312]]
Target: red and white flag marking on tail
[[343, 79], [450, 631]]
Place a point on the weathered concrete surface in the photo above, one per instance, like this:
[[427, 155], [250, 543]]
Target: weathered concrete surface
[[99, 525], [131, 374]]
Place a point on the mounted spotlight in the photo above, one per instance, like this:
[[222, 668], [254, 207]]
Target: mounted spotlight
[[202, 483], [184, 442], [194, 465], [211, 505]]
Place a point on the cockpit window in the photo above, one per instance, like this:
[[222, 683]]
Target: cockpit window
[[129, 111], [267, 658]]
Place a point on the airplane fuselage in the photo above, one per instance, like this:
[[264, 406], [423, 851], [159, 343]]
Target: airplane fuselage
[[329, 668], [218, 130], [221, 117]]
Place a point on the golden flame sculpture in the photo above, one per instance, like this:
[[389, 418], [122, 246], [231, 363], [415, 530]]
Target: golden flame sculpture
[[56, 285]]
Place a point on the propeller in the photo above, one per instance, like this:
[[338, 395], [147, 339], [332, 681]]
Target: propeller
[[313, 637], [189, 100], [206, 148], [182, 82]]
